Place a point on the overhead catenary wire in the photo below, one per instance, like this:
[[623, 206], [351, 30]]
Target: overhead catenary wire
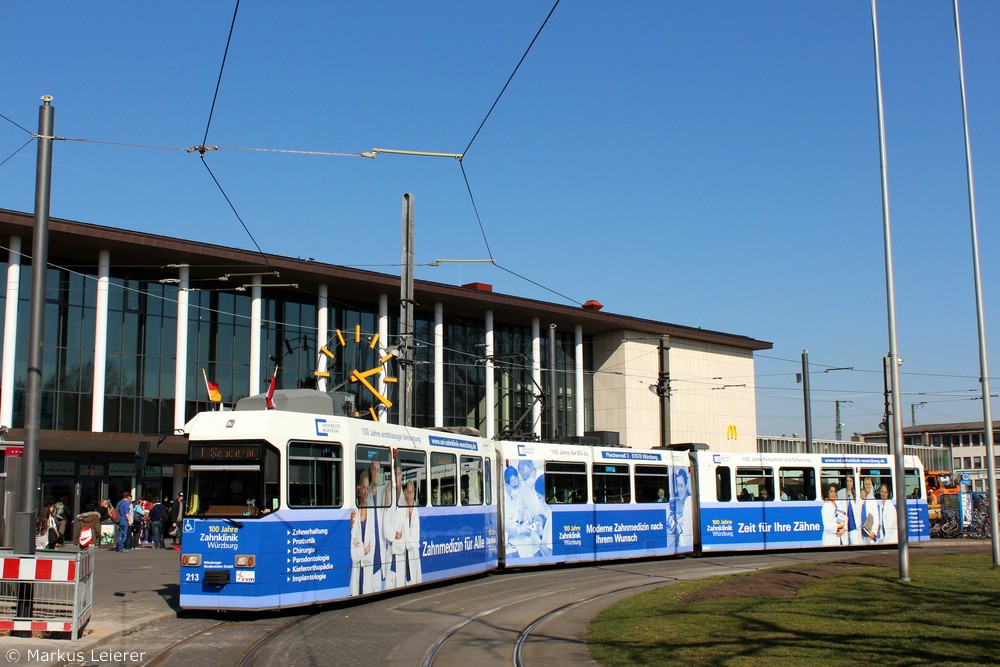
[[236, 213], [475, 210], [204, 148], [17, 151], [222, 68], [16, 124], [510, 78]]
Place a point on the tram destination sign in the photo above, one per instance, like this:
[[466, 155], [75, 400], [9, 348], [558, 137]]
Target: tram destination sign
[[227, 453]]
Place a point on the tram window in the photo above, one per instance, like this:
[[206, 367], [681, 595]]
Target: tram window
[[565, 482], [443, 471], [611, 483], [471, 481], [755, 484], [914, 485], [797, 483], [413, 467], [315, 475], [872, 479], [836, 477], [489, 481], [649, 482], [378, 462], [723, 484], [272, 487]]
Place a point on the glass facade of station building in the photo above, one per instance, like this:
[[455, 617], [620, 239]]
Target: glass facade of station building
[[141, 355], [139, 394], [480, 360]]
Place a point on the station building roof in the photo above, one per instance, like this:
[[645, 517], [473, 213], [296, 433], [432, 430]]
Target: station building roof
[[77, 241]]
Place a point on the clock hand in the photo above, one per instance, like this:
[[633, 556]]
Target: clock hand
[[368, 373], [382, 399]]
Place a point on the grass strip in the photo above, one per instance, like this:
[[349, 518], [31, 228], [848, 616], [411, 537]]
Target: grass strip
[[852, 611]]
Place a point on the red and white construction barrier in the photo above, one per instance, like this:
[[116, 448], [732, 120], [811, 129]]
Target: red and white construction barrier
[[37, 569]]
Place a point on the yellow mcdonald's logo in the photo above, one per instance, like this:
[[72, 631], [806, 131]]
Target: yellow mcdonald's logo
[[731, 432]]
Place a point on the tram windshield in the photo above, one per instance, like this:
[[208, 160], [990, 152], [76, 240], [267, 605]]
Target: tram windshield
[[232, 480]]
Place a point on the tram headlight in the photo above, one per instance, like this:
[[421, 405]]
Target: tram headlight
[[191, 560], [245, 560]]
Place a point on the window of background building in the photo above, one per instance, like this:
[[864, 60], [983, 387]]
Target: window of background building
[[214, 337], [464, 374], [288, 340], [68, 355]]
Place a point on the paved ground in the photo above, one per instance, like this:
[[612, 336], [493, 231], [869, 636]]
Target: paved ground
[[133, 594], [132, 591]]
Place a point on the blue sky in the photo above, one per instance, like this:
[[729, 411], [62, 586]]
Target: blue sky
[[712, 164]]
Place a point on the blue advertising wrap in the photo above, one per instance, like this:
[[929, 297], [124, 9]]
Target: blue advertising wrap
[[538, 531], [304, 556], [786, 525]]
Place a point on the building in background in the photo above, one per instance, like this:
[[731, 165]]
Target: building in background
[[962, 446], [136, 326]]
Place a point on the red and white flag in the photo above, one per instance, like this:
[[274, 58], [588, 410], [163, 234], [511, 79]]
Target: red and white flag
[[270, 390]]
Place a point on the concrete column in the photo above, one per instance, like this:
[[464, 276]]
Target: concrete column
[[439, 364], [383, 336], [10, 331], [578, 372], [490, 429], [100, 342], [255, 325], [180, 364], [322, 333]]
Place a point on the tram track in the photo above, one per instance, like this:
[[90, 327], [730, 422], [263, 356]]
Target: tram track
[[523, 618], [509, 629], [188, 649], [506, 623]]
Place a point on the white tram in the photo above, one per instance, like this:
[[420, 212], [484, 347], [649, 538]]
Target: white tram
[[299, 504]]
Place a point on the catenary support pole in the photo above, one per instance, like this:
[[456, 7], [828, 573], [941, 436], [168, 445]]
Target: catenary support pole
[[24, 536], [406, 304]]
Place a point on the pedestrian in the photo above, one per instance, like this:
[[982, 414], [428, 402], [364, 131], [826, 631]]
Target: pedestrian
[[124, 510], [59, 511], [42, 529], [156, 513], [135, 529], [104, 509], [177, 520]]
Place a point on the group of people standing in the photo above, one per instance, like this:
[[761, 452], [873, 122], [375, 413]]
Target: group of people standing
[[859, 518], [144, 522], [385, 532]]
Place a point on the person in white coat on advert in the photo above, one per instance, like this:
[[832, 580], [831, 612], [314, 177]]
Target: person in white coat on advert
[[362, 541]]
